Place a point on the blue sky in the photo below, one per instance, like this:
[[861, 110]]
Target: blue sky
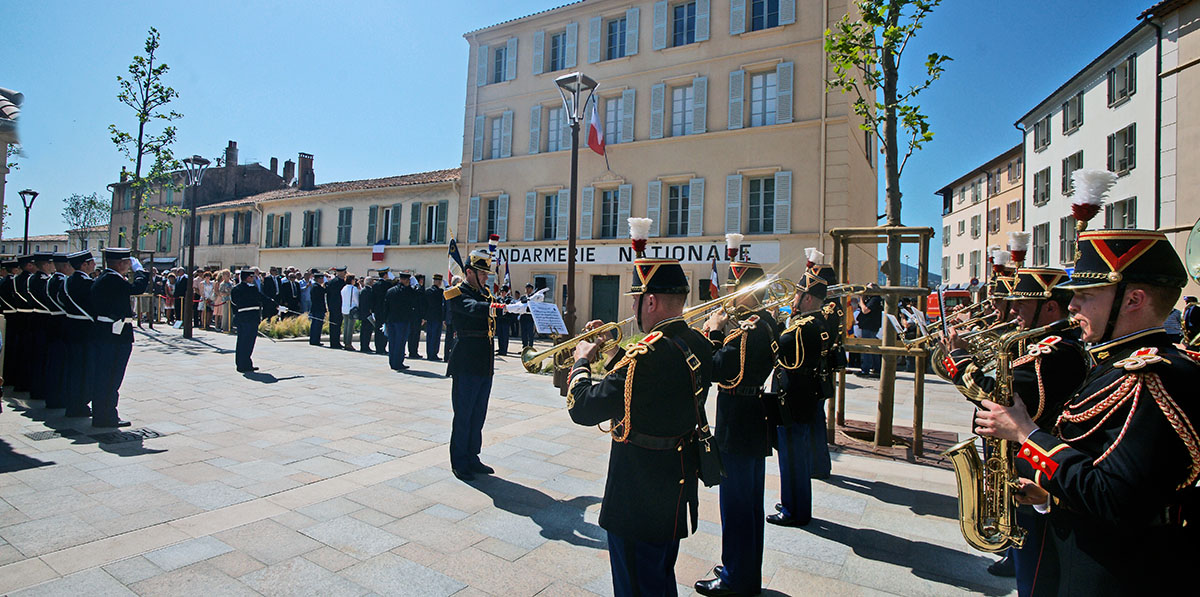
[[375, 88]]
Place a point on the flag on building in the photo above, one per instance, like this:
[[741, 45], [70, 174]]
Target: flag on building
[[714, 281], [507, 279], [595, 137], [377, 251], [455, 267]]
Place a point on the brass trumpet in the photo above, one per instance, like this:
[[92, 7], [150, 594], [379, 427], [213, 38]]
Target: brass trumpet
[[532, 360]]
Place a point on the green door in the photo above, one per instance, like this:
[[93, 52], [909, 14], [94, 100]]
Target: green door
[[606, 292]]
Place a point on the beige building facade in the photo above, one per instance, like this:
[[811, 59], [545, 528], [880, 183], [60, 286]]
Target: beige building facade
[[979, 209], [92, 238], [716, 119]]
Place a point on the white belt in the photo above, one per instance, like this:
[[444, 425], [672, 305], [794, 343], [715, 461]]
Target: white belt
[[103, 319], [25, 310], [41, 311], [57, 312], [240, 310], [83, 317]]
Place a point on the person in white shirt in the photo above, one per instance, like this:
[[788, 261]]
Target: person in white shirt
[[349, 310]]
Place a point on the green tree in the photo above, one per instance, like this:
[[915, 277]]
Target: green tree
[[12, 151], [85, 211]]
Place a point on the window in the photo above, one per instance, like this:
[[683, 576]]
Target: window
[[141, 243], [493, 206], [962, 227], [554, 130], [169, 196], [1066, 240], [1041, 134], [762, 206], [1122, 81], [993, 183], [945, 268], [946, 235], [994, 220], [83, 245], [237, 227], [343, 229], [976, 225], [681, 110], [1041, 245], [962, 194], [499, 63], [763, 98], [608, 213], [1014, 210], [764, 14], [683, 23], [496, 136], [1072, 114], [975, 194], [1041, 187], [1070, 164], [975, 261], [615, 46], [959, 261], [435, 222], [127, 198], [1121, 150], [312, 228], [1014, 170], [612, 120], [164, 239], [550, 216], [557, 56], [678, 196], [1121, 214]]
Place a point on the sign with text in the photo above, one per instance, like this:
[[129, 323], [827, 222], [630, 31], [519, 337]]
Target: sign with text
[[697, 252], [547, 319]]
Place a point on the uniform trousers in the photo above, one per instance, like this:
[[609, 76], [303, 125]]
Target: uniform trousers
[[247, 333], [56, 361], [78, 376], [433, 338], [795, 472], [317, 320], [111, 360], [502, 329], [641, 567], [818, 447], [1033, 550], [365, 330], [414, 338], [381, 337], [469, 397], [335, 330], [36, 359], [12, 333], [527, 331], [397, 332], [742, 521]]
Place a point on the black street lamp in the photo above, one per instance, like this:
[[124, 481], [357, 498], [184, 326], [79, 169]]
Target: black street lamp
[[27, 197], [571, 87], [195, 167]]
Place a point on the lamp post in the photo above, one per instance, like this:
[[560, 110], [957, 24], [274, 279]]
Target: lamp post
[[27, 197], [195, 167], [571, 87]]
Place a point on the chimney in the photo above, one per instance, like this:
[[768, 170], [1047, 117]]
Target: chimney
[[289, 170], [124, 174], [274, 165], [231, 154], [307, 179]]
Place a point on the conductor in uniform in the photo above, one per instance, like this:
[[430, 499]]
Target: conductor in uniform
[[110, 299], [249, 305], [1117, 473], [651, 396], [401, 303], [379, 294], [333, 299], [316, 309], [433, 306], [418, 315]]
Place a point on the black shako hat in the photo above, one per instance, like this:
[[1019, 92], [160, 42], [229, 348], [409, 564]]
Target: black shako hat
[[1108, 257], [743, 273], [1035, 283]]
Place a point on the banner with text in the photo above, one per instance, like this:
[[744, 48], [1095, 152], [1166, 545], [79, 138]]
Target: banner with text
[[697, 252]]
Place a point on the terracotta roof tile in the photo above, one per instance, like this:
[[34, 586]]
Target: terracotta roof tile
[[524, 17], [433, 176], [43, 238]]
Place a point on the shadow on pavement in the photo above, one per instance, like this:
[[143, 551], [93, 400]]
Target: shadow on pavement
[[560, 520], [11, 462], [419, 373], [267, 377], [920, 502]]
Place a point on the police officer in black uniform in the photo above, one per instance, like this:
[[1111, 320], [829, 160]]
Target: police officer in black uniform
[[1191, 323], [833, 360], [528, 329], [434, 308], [400, 302], [249, 305], [81, 334], [1118, 472], [504, 324], [22, 367], [110, 298], [418, 317], [316, 307], [366, 311], [333, 299], [56, 347], [382, 286], [45, 327], [12, 319]]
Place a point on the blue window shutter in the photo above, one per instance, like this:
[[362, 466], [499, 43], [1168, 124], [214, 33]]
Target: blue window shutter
[[502, 217], [477, 150], [787, 12], [535, 129], [530, 214], [595, 39], [658, 95], [562, 209], [539, 51], [660, 25], [733, 203], [631, 30], [737, 17], [506, 122], [624, 203], [628, 104], [510, 60], [372, 223], [696, 207], [414, 224], [572, 44], [585, 212], [473, 220], [737, 93], [268, 242], [702, 9], [783, 104], [394, 225], [653, 202], [481, 66], [783, 202], [439, 227], [699, 105]]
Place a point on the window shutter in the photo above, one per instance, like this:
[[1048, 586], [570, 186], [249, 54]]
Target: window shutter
[[783, 202], [221, 239], [237, 220], [477, 151], [247, 223], [660, 25], [702, 9], [737, 17], [535, 129], [414, 224], [285, 231], [1112, 89], [1130, 145], [657, 97], [372, 223], [1131, 76], [530, 214], [733, 203], [571, 55], [510, 60], [624, 200], [631, 30], [595, 38], [783, 104], [1079, 109], [473, 220], [628, 103], [506, 122], [502, 217], [787, 12], [1112, 156], [564, 134], [653, 203], [212, 224], [696, 207], [439, 227], [737, 93], [699, 105], [1066, 178], [481, 66], [539, 51], [562, 211], [586, 207], [394, 224], [270, 231]]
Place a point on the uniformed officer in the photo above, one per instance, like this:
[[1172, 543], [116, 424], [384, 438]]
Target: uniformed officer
[[23, 366], [110, 299], [401, 302], [503, 325], [316, 309], [742, 362], [12, 320], [1191, 323], [1118, 473], [249, 305], [81, 334], [382, 285], [833, 360], [433, 307], [418, 316], [470, 364], [528, 329], [56, 334], [366, 311], [44, 325], [333, 299]]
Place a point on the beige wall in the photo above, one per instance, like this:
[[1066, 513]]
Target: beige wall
[[965, 208], [1181, 125], [123, 218]]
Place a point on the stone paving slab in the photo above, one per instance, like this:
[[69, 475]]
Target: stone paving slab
[[325, 473]]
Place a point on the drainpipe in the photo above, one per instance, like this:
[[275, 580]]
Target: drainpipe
[[824, 126], [1024, 178], [1158, 41]]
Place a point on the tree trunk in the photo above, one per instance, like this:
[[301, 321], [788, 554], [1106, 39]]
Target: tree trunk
[[137, 169], [887, 372]]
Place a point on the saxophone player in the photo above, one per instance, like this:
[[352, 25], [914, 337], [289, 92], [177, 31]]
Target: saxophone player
[[1117, 472]]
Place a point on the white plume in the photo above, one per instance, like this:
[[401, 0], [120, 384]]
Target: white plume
[[1091, 185], [639, 228], [1018, 241], [1001, 257], [813, 255], [992, 249], [733, 240]]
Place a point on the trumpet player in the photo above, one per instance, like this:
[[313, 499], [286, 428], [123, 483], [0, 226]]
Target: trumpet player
[[1117, 472], [833, 359]]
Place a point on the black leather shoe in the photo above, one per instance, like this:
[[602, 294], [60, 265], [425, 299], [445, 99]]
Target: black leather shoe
[[1003, 567], [118, 423], [462, 475], [716, 588], [787, 521], [480, 467]]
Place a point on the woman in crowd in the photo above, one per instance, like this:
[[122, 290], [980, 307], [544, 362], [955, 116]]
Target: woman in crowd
[[169, 307]]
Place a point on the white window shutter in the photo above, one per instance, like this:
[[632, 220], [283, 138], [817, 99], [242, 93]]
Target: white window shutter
[[737, 17], [658, 95], [595, 38], [530, 214], [510, 60], [506, 122], [472, 220], [539, 51], [783, 202], [502, 217], [783, 104], [631, 30], [624, 201], [628, 103], [564, 135], [702, 9], [562, 211], [481, 66], [477, 149], [696, 207], [787, 12], [586, 207], [572, 45], [535, 129], [653, 204], [660, 25], [699, 105], [737, 93], [733, 203]]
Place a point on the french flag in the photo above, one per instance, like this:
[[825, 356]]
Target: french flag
[[714, 283], [377, 250], [595, 138]]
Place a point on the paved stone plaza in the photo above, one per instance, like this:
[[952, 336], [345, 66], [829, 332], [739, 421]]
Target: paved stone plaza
[[326, 473]]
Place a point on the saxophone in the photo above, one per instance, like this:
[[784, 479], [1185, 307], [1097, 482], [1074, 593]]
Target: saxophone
[[986, 508]]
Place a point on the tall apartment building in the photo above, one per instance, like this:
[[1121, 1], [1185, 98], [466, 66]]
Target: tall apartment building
[[717, 120], [979, 209]]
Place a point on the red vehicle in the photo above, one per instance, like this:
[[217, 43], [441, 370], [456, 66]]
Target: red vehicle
[[955, 297]]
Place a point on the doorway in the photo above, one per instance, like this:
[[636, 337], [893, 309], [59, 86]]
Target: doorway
[[606, 293]]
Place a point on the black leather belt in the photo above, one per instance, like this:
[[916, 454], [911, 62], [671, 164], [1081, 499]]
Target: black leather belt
[[472, 334], [655, 442]]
